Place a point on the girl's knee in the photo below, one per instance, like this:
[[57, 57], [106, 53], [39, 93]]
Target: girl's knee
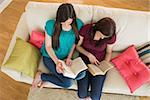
[[82, 95], [81, 75], [67, 83]]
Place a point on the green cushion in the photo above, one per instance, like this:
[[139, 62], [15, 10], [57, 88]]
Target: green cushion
[[24, 58]]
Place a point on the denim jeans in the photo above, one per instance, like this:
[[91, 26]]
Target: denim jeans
[[94, 82], [55, 77]]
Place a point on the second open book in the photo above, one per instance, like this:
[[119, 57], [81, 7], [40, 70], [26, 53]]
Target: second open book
[[101, 69]]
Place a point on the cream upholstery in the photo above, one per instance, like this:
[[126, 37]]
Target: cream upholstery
[[39, 13], [132, 28]]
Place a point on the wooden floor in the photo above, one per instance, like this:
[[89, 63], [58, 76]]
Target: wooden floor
[[12, 90]]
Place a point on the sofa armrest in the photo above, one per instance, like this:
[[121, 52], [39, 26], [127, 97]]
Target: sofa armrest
[[21, 31]]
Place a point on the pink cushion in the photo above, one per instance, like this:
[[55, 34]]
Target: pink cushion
[[37, 39], [133, 70]]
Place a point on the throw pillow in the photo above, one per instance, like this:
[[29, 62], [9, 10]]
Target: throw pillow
[[37, 39], [144, 53], [133, 70], [24, 58]]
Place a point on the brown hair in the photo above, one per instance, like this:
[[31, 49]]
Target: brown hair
[[64, 12], [106, 26]]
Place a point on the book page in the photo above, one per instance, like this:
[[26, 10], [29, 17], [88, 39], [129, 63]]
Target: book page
[[78, 65], [101, 69], [94, 70], [67, 71], [105, 66]]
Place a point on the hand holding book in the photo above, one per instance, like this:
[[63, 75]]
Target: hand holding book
[[59, 67], [76, 67], [93, 59], [68, 62]]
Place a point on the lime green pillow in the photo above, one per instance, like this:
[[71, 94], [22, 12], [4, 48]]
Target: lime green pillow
[[24, 58]]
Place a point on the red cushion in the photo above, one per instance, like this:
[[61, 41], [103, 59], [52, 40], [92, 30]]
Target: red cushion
[[133, 70], [37, 39]]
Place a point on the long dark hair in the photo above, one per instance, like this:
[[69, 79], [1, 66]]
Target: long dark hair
[[106, 26], [64, 12]]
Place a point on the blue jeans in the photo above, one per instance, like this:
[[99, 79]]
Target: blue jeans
[[96, 83], [55, 77]]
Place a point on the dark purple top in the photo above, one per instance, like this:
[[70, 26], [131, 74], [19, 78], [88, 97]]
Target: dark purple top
[[90, 45]]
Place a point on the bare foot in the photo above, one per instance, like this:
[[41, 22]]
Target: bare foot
[[37, 79], [88, 98], [43, 84], [82, 99]]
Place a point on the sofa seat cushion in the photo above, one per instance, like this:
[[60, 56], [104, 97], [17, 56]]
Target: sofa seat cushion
[[118, 84], [114, 83]]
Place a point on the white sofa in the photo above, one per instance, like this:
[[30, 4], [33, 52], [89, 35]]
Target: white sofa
[[132, 28]]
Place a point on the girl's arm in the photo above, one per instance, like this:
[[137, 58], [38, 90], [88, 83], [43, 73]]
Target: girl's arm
[[71, 52], [108, 52], [91, 57], [80, 48], [68, 60], [51, 53], [49, 49]]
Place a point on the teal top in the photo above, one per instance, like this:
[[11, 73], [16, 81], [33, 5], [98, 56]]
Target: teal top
[[66, 39]]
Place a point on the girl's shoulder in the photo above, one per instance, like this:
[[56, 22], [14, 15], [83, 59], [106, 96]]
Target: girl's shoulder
[[88, 26], [79, 23], [78, 20], [50, 22], [112, 39], [49, 27], [85, 30]]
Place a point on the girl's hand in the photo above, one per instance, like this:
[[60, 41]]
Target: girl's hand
[[68, 62], [59, 67], [93, 59]]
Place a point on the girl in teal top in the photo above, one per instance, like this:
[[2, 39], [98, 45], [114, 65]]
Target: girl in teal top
[[61, 36], [66, 39]]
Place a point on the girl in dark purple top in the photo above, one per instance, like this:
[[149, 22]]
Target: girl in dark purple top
[[95, 45]]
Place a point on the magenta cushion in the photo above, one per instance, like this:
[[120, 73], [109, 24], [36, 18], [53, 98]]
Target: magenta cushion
[[37, 39], [132, 69]]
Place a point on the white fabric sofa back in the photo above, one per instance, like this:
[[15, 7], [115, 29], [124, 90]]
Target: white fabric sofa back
[[132, 26], [39, 13]]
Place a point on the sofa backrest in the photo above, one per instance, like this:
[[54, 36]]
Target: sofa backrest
[[132, 26], [39, 13], [21, 32]]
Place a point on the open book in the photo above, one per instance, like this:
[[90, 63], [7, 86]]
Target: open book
[[101, 69], [77, 66]]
